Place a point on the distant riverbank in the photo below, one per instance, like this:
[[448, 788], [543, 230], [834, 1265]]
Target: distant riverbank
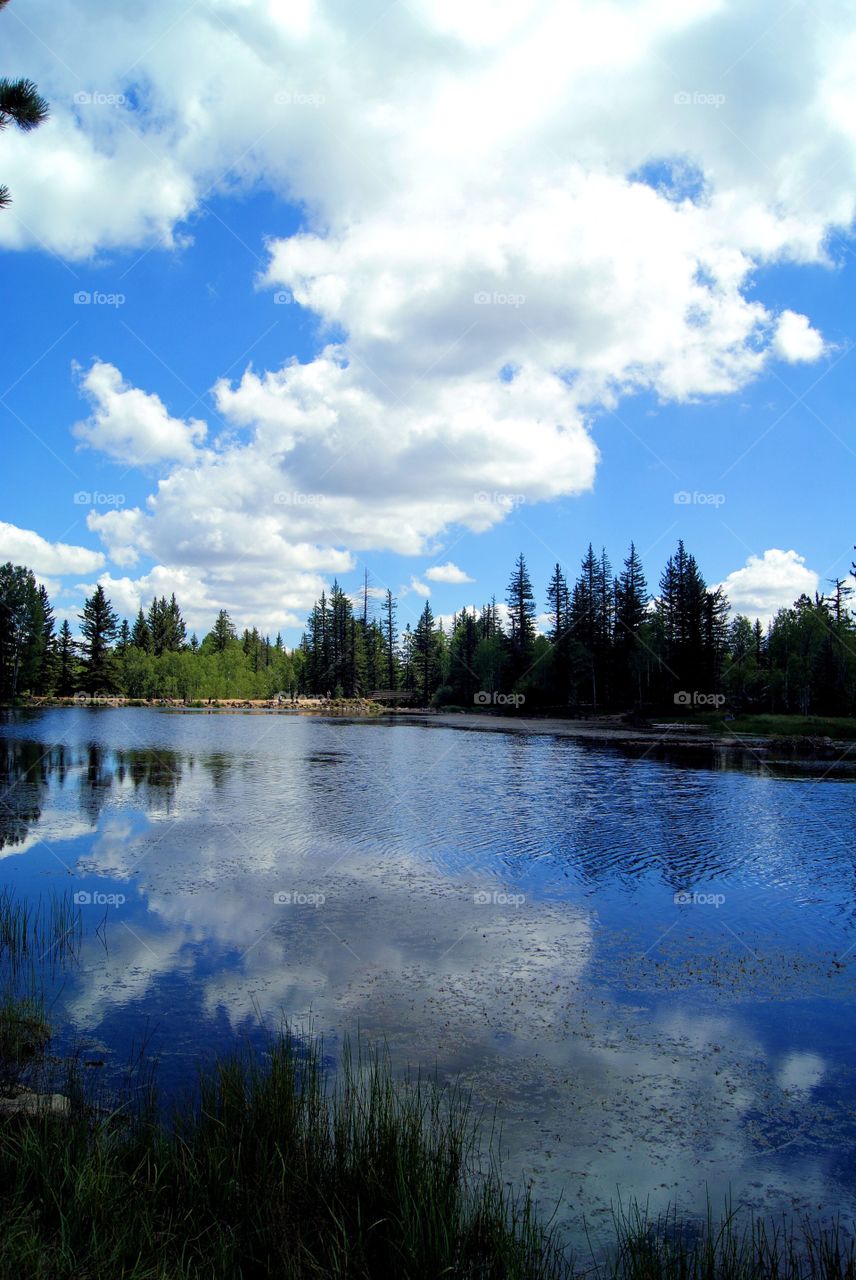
[[792, 737], [665, 734]]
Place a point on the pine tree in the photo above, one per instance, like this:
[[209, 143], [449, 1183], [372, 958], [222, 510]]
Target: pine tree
[[376, 665], [391, 640], [586, 624], [157, 624], [631, 611], [691, 623], [714, 637], [463, 646], [559, 611], [223, 633], [124, 641], [251, 645], [408, 669], [21, 629], [99, 627], [46, 673], [141, 637], [521, 613], [841, 594], [175, 630], [425, 655], [66, 662]]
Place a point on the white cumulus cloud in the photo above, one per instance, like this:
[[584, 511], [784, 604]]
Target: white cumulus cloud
[[447, 572], [132, 426], [796, 341], [768, 583], [24, 546], [511, 216]]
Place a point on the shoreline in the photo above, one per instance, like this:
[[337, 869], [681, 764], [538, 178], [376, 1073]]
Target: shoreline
[[609, 730], [671, 736]]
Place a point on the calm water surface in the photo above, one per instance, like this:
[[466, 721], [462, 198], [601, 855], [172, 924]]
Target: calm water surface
[[500, 906]]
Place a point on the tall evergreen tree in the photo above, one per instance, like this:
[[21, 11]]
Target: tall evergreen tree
[[408, 667], [99, 627], [520, 599], [841, 593], [157, 625], [390, 640], [223, 632], [66, 662], [631, 610], [588, 627], [141, 637], [426, 655], [21, 629], [124, 641], [44, 681], [463, 647], [175, 627], [559, 612]]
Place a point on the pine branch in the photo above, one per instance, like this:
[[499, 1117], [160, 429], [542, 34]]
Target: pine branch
[[21, 103]]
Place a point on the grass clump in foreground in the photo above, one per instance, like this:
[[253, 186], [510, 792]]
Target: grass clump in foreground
[[735, 1248], [268, 1170]]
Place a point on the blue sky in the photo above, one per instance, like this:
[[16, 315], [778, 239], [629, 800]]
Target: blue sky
[[417, 292]]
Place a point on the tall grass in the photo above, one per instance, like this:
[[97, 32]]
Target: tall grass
[[268, 1170], [43, 932], [35, 939], [735, 1247]]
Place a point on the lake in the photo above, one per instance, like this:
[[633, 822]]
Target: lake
[[646, 964]]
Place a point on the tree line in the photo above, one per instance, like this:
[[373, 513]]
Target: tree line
[[150, 658], [603, 641]]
